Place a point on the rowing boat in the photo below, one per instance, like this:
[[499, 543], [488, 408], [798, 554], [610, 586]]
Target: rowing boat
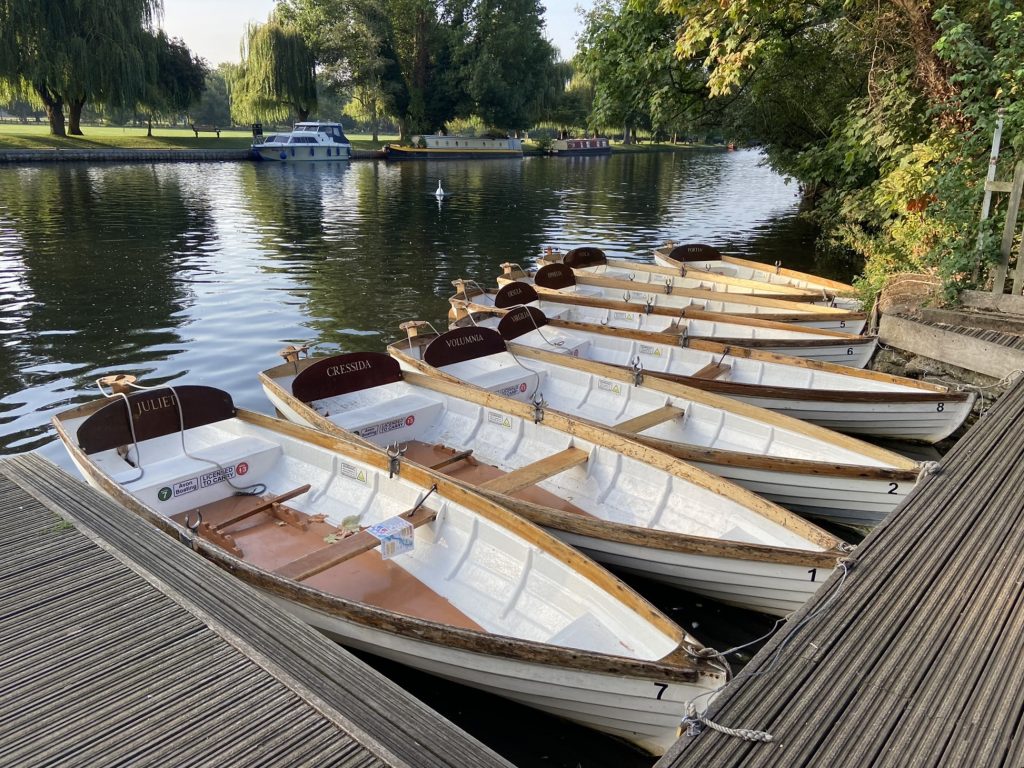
[[558, 278], [803, 467], [393, 559], [844, 399], [697, 256], [588, 260], [621, 502], [667, 326]]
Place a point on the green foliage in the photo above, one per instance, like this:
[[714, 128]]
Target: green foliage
[[214, 107], [69, 51], [277, 75], [180, 78]]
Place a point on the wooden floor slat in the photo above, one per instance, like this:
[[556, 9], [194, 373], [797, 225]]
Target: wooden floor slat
[[119, 646], [917, 658]]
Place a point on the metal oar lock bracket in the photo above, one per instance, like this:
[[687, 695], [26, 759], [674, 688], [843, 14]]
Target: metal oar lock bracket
[[395, 453], [669, 284], [638, 371], [539, 404], [649, 306]]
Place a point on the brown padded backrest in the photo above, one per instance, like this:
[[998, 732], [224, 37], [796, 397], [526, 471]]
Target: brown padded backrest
[[154, 413], [695, 252], [586, 256], [514, 294], [554, 276], [341, 374], [463, 344], [520, 321]]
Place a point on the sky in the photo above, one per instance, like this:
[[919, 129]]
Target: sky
[[213, 28]]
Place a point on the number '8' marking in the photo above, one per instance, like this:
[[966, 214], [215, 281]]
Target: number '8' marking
[[940, 407]]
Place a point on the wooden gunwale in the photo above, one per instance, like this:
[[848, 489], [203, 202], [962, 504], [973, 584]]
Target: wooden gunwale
[[685, 271], [676, 665], [904, 469], [556, 519], [661, 311], [677, 339], [702, 396], [794, 306], [760, 266]]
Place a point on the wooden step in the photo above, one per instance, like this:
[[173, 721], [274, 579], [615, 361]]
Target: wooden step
[[539, 470], [712, 371], [649, 419], [346, 549]]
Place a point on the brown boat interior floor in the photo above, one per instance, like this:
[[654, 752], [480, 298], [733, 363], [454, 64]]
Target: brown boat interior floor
[[471, 471], [268, 542]]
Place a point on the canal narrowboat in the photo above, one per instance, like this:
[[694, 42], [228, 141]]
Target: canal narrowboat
[[573, 147], [623, 503], [394, 559], [454, 148], [306, 142]]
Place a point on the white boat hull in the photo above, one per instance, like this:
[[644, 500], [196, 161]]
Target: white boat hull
[[844, 500], [643, 711], [304, 153], [771, 588]]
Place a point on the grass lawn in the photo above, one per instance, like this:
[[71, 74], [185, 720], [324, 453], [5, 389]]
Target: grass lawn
[[37, 136]]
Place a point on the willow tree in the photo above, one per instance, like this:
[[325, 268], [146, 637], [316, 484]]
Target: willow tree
[[277, 74], [66, 52]]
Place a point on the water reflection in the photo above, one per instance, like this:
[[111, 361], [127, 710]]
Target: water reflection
[[208, 269], [201, 272]]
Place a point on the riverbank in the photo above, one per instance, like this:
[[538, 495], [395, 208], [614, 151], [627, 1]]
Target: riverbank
[[32, 143]]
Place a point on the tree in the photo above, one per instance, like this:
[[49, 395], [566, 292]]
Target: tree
[[65, 52], [512, 65], [214, 107], [180, 79], [277, 74]]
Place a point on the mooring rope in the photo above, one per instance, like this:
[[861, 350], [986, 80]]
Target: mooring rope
[[695, 721]]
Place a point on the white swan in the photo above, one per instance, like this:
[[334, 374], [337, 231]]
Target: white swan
[[440, 193]]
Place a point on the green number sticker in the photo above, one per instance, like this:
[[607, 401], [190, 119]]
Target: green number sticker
[[164, 493]]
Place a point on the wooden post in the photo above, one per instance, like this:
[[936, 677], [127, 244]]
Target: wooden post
[[1012, 209]]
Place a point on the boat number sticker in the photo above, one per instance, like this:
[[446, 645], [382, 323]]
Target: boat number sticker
[[353, 472], [242, 468], [500, 419], [646, 349], [610, 386], [623, 316], [387, 426], [513, 390]]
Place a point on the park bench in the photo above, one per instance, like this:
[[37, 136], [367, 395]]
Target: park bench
[[207, 128]]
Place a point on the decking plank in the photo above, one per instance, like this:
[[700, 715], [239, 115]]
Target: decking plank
[[120, 646], [919, 657]]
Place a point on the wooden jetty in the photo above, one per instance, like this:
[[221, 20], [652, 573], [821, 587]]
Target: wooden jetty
[[916, 656], [121, 646]]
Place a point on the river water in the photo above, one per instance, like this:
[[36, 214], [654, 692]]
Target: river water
[[200, 273]]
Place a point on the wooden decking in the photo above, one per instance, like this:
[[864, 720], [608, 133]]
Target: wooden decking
[[120, 646], [917, 657]]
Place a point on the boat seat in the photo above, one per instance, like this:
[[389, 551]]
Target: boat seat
[[397, 420], [508, 381], [179, 482]]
